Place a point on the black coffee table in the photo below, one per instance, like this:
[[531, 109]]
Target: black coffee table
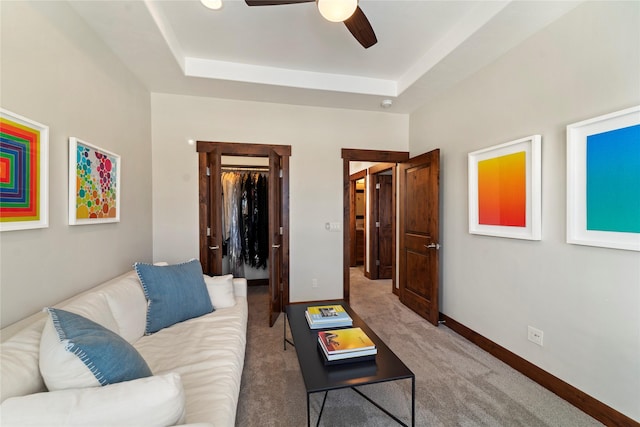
[[319, 377]]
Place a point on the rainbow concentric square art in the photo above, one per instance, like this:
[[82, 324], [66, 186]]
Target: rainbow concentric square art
[[504, 190], [23, 173], [94, 184]]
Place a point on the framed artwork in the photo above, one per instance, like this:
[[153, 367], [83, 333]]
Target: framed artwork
[[505, 190], [24, 163], [603, 181], [94, 184]]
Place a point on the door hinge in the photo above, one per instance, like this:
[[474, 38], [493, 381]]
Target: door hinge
[[377, 186], [281, 231], [208, 171], [208, 231], [377, 262], [377, 224], [281, 174]]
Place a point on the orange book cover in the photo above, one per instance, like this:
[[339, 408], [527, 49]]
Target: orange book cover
[[345, 340]]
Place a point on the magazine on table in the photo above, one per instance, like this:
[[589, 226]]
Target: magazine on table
[[327, 325], [328, 313], [345, 341]]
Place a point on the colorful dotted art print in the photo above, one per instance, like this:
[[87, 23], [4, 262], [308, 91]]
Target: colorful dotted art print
[[94, 182]]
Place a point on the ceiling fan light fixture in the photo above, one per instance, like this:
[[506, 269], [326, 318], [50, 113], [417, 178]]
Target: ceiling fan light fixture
[[212, 4], [337, 10]]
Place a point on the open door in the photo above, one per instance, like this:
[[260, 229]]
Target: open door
[[210, 200], [382, 224], [275, 237], [210, 194], [419, 274]]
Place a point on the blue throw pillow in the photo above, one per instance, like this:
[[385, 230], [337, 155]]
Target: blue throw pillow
[[174, 293], [109, 357]]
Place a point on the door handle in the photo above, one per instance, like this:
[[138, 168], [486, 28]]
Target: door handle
[[435, 246], [213, 248], [275, 246]]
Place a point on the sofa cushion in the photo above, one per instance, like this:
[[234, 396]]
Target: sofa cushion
[[156, 400], [174, 293], [19, 371], [220, 290], [93, 306], [129, 306], [208, 353], [76, 352]]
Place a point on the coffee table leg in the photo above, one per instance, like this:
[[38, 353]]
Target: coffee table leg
[[413, 401], [285, 340]]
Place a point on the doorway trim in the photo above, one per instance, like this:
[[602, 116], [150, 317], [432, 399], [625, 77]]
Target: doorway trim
[[253, 150], [357, 155], [352, 218]]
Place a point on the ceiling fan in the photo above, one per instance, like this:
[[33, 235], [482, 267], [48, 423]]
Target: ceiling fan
[[346, 11]]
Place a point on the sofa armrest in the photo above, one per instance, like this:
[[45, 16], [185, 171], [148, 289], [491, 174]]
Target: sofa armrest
[[240, 286]]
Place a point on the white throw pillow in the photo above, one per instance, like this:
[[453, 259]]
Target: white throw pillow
[[128, 305], [221, 290], [151, 401], [94, 306], [76, 352]]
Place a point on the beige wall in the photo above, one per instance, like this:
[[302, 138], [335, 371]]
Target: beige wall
[[585, 299], [54, 70], [316, 136]]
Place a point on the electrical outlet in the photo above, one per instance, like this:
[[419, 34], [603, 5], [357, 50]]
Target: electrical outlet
[[314, 283], [535, 335], [333, 226]]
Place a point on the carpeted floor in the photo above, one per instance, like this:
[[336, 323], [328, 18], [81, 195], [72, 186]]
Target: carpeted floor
[[457, 384]]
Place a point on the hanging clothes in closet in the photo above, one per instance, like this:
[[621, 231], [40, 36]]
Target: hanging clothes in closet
[[245, 220]]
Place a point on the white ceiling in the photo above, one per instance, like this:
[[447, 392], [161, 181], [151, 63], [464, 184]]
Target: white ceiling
[[290, 54]]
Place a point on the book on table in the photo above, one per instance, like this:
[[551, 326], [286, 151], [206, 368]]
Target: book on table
[[345, 343], [354, 356], [327, 316], [346, 346]]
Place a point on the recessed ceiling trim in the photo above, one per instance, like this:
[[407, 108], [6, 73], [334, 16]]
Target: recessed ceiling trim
[[233, 71], [197, 67], [463, 30], [167, 32]]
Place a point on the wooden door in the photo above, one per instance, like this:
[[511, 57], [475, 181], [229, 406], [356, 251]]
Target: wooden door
[[210, 197], [275, 237], [384, 226], [419, 234]]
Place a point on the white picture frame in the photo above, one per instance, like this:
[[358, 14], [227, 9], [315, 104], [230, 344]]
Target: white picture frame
[[517, 213], [603, 207], [24, 154], [94, 184]]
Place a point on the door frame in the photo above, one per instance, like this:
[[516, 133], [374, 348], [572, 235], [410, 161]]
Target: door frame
[[357, 155], [250, 150], [374, 217], [352, 217]]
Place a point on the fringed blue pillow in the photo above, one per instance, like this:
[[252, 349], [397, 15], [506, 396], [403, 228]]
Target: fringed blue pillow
[[108, 356], [174, 293]]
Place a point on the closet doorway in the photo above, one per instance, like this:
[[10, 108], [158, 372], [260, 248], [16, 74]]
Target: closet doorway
[[210, 169]]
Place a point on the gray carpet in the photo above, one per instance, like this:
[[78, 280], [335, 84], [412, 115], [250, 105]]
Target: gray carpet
[[457, 384]]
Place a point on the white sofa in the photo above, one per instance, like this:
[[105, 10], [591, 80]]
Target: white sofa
[[196, 364]]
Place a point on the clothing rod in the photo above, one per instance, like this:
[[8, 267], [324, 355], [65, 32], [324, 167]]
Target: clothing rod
[[244, 168]]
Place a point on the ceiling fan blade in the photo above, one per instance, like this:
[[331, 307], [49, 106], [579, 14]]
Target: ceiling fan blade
[[361, 29], [275, 2]]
